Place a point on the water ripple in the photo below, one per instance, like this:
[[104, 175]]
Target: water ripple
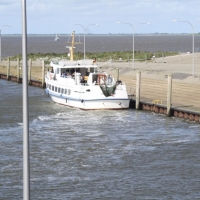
[[76, 154]]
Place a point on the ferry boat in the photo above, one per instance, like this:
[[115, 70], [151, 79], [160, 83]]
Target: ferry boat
[[80, 84]]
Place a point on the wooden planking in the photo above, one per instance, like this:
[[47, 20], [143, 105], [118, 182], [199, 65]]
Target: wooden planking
[[182, 93]]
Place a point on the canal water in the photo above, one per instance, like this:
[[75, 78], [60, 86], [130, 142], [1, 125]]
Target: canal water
[[76, 154]]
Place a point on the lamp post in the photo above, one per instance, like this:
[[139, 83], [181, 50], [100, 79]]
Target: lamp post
[[133, 27], [0, 39], [193, 26], [84, 29], [25, 100]]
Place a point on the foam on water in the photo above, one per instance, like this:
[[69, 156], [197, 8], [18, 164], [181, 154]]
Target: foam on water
[[77, 154]]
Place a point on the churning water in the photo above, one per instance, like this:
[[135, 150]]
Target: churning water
[[76, 154]]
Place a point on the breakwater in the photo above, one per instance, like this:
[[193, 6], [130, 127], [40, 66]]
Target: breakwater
[[148, 101]]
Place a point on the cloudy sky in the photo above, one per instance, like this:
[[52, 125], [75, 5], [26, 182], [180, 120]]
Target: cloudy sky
[[55, 16]]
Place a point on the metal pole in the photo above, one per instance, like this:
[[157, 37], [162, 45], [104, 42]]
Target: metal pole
[[133, 36], [26, 170], [84, 34], [133, 48], [84, 29], [0, 40], [193, 27], [193, 50], [84, 42], [192, 42], [0, 45]]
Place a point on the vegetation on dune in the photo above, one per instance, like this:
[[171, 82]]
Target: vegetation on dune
[[125, 56]]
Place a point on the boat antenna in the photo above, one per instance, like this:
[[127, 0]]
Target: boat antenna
[[71, 48]]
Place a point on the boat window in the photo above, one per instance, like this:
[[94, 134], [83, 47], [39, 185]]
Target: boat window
[[94, 78], [69, 92], [55, 89], [52, 88], [58, 90], [58, 70], [49, 86], [62, 90], [65, 91]]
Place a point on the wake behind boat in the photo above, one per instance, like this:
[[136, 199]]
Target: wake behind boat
[[80, 84]]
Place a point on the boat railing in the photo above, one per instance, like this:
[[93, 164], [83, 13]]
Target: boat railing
[[96, 84], [50, 76], [67, 76], [84, 84]]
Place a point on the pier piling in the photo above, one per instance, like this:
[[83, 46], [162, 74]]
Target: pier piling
[[8, 69], [117, 74], [18, 70], [169, 95], [29, 71], [43, 72], [138, 81]]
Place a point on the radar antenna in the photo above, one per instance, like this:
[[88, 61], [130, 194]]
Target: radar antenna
[[71, 48]]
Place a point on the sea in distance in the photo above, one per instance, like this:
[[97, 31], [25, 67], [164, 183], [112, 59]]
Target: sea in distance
[[12, 44], [76, 154]]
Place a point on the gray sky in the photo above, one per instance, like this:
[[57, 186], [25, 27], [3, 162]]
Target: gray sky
[[55, 16]]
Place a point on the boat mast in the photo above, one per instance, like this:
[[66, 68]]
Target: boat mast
[[71, 48]]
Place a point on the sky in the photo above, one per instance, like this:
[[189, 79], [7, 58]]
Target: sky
[[58, 16]]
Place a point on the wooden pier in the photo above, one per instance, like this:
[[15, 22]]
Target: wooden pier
[[12, 71]]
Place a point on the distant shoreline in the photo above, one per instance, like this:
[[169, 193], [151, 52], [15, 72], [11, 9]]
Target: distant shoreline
[[109, 34]]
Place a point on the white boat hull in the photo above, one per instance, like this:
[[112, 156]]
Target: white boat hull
[[92, 104], [98, 91]]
